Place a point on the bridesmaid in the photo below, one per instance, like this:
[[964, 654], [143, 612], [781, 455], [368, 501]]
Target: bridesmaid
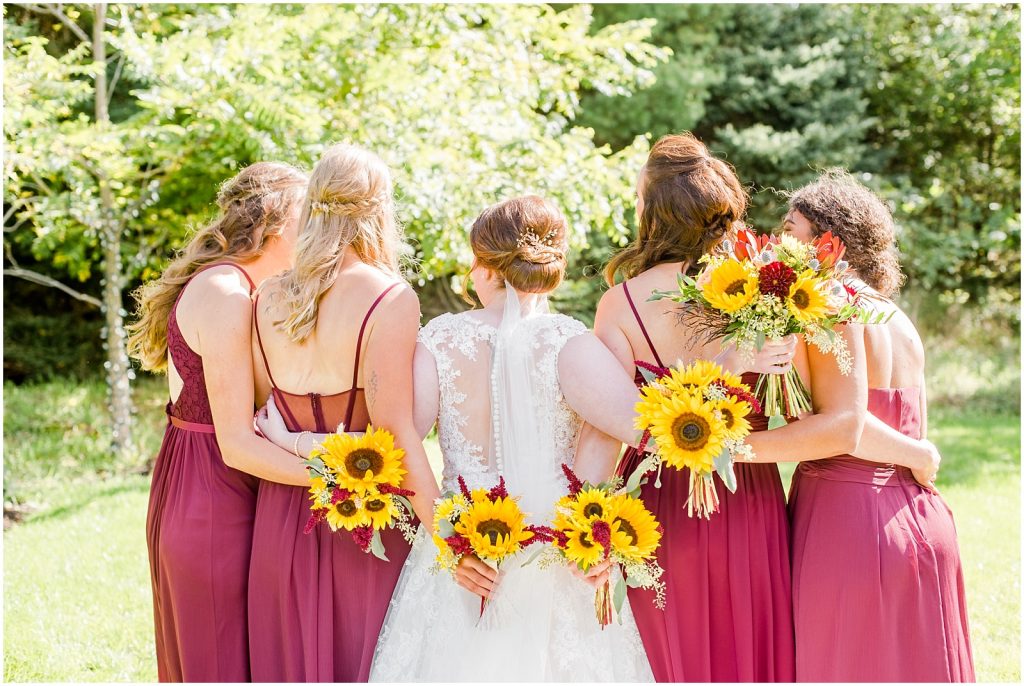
[[334, 341], [728, 614], [194, 324], [878, 589]]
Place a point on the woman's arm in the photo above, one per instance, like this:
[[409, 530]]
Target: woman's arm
[[388, 379], [223, 327], [597, 452], [840, 409]]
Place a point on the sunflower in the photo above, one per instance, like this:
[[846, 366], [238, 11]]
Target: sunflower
[[448, 508], [581, 549], [692, 377], [362, 462], [734, 413], [381, 510], [635, 534], [495, 528], [347, 514], [730, 287], [730, 379], [591, 503], [687, 432], [806, 301]]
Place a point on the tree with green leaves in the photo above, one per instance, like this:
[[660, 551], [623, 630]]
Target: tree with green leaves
[[469, 104]]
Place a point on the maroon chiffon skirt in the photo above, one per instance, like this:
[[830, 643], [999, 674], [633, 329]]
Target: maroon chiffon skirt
[[316, 601], [878, 590], [728, 614], [199, 533]]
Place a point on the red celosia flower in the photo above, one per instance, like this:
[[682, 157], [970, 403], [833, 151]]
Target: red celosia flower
[[601, 533], [465, 489], [339, 495], [575, 485], [653, 368], [775, 279], [363, 535], [388, 489], [315, 518], [560, 538], [498, 491], [541, 534], [459, 545], [742, 395]]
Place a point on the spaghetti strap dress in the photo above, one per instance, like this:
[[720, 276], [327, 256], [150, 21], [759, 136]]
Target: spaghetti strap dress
[[199, 535], [878, 587], [316, 601], [728, 613]]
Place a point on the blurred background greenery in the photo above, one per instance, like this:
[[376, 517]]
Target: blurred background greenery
[[121, 121]]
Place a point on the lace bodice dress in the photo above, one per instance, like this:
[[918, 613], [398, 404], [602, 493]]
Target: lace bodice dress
[[544, 627]]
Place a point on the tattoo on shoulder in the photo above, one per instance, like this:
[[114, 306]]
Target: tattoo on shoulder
[[371, 389]]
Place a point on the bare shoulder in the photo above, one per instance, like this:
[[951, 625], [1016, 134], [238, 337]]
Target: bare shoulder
[[220, 291], [613, 300]]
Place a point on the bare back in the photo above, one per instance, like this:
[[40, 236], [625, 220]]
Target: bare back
[[895, 354], [670, 339], [326, 363]]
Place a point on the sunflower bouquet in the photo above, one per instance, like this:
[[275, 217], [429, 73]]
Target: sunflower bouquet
[[481, 522], [355, 485], [595, 523], [697, 418], [767, 287]]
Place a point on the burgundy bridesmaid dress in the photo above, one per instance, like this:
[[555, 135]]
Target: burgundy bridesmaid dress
[[316, 601], [728, 613], [878, 590], [199, 534]]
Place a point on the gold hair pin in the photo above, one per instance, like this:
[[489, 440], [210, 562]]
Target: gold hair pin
[[529, 238]]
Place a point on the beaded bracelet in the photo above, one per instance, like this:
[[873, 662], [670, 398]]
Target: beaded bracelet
[[295, 448]]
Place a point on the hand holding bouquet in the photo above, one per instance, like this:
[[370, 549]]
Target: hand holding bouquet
[[766, 287], [593, 524], [485, 523], [355, 484], [697, 416]]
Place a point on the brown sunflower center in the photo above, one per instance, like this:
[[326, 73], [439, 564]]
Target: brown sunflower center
[[364, 460], [347, 507], [800, 299], [584, 541], [627, 528], [735, 287], [593, 509], [493, 529], [375, 505], [690, 431], [728, 416]]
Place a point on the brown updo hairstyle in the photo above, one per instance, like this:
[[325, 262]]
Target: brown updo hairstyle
[[524, 241], [692, 201], [254, 205], [838, 203]]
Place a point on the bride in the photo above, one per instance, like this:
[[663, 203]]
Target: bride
[[510, 386], [493, 380]]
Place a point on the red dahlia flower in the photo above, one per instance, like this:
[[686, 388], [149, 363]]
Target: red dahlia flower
[[775, 279]]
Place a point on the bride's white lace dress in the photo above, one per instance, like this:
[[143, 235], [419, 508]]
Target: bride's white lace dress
[[540, 623]]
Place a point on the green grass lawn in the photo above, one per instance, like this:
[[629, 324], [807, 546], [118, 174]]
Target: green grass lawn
[[77, 603]]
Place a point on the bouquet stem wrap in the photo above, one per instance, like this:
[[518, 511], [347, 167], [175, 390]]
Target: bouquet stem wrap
[[782, 395]]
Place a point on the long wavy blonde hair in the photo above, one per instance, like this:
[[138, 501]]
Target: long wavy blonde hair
[[350, 203], [254, 205]]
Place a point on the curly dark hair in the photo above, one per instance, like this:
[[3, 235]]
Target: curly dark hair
[[837, 202]]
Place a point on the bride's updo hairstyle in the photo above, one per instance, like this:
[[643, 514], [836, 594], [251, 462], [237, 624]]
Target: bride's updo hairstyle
[[838, 203], [691, 201], [350, 203], [524, 241]]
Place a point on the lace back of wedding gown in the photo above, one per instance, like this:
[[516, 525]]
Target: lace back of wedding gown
[[540, 623]]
